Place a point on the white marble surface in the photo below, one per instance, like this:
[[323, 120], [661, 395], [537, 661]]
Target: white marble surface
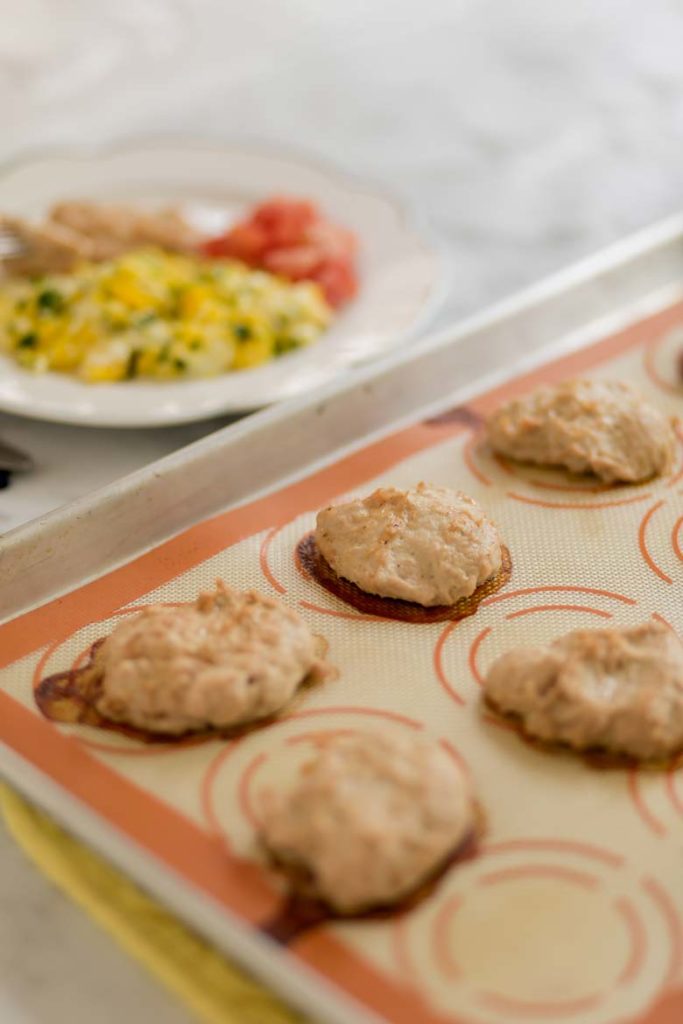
[[531, 132]]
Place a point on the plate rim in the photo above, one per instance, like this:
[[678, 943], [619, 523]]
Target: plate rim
[[410, 214]]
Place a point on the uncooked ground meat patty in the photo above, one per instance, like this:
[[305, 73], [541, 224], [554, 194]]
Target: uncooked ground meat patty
[[430, 545], [231, 658], [601, 427], [619, 690], [370, 818]]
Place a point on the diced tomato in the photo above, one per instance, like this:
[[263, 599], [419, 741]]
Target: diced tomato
[[333, 239], [289, 237], [246, 241], [296, 263], [214, 248], [286, 221], [338, 280]]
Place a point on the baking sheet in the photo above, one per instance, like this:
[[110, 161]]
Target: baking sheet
[[573, 908]]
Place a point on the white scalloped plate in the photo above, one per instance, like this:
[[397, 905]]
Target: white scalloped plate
[[403, 273]]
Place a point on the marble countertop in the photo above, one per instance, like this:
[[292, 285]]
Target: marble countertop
[[530, 133]]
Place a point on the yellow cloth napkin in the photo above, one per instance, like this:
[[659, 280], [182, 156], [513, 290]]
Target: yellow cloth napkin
[[194, 971]]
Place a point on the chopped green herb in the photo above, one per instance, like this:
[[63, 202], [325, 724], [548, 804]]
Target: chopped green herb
[[50, 300], [179, 364], [285, 344], [133, 360], [28, 341], [242, 332], [195, 344]]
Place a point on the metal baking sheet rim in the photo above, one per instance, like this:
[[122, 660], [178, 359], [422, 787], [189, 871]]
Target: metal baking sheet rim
[[46, 546]]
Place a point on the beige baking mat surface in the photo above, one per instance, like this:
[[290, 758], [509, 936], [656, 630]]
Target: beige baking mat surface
[[573, 909]]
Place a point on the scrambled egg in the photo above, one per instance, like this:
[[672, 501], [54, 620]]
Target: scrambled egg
[[155, 314]]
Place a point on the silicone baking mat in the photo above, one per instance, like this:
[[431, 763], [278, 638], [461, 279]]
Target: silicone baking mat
[[573, 908]]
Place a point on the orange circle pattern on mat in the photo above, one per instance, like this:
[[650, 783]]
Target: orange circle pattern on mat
[[463, 931]]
